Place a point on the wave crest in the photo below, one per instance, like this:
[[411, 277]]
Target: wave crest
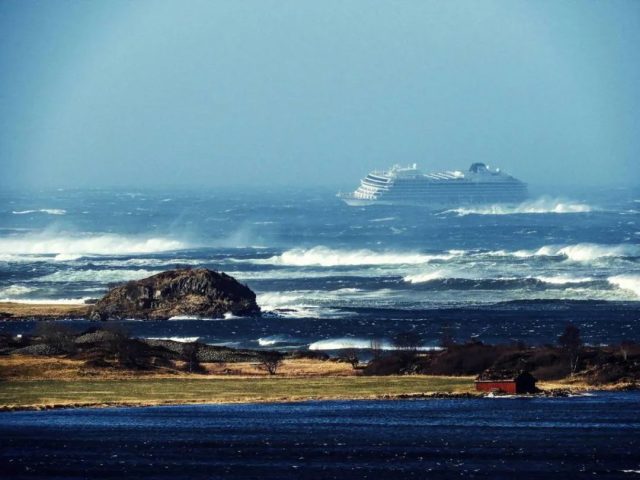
[[327, 257]]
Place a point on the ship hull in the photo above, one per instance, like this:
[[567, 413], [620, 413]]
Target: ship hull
[[408, 187]]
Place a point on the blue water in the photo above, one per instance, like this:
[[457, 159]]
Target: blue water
[[329, 275], [579, 437]]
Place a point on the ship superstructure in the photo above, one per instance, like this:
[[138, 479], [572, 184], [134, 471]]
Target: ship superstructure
[[409, 186]]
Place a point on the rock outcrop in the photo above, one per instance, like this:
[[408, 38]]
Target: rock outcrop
[[198, 292]]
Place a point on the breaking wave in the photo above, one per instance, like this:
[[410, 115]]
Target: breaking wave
[[69, 247], [581, 252], [48, 211], [299, 304], [328, 257], [564, 280], [273, 340], [425, 277], [176, 339], [541, 205], [626, 282]]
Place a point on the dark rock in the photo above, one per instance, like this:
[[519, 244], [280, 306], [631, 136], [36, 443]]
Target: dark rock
[[199, 292], [207, 353], [38, 349]]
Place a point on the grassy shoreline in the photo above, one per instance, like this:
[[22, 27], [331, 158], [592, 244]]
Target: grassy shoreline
[[37, 383], [42, 311], [43, 394]]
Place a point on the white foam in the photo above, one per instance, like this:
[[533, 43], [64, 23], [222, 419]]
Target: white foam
[[626, 282], [541, 205], [17, 290], [73, 246], [342, 343], [357, 343], [272, 340], [564, 280], [581, 252], [586, 252], [48, 211], [176, 339], [425, 277], [328, 257], [274, 300]]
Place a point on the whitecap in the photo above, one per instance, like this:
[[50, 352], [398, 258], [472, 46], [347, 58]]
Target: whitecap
[[272, 340], [586, 252], [176, 339], [48, 211], [327, 257], [358, 343], [425, 277], [626, 282], [581, 252], [563, 280]]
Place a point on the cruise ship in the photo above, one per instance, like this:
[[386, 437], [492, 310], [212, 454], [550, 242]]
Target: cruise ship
[[409, 186]]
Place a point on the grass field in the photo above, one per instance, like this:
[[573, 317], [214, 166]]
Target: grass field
[[141, 391]]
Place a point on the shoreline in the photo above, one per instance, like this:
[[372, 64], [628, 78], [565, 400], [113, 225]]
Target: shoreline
[[293, 399], [568, 393], [36, 394]]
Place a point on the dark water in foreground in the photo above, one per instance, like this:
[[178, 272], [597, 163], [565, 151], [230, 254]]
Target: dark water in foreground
[[579, 437]]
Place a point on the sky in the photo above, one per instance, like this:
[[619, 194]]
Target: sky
[[253, 93]]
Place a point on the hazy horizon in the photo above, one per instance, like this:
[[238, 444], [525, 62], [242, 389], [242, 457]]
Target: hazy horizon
[[213, 94]]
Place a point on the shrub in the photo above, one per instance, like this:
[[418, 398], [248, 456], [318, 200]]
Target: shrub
[[270, 361], [57, 336]]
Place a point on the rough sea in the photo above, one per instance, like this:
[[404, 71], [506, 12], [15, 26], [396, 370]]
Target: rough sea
[[330, 276]]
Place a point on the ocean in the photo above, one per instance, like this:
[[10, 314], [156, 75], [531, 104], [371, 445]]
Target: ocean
[[329, 276], [594, 436]]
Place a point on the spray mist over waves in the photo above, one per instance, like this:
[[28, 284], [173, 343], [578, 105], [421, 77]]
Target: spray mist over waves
[[541, 205], [96, 276], [69, 246]]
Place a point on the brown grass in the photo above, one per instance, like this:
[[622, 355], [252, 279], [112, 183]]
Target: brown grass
[[44, 311], [24, 367]]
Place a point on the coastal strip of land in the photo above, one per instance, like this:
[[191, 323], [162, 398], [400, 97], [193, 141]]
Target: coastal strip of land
[[37, 383], [42, 311], [43, 394]]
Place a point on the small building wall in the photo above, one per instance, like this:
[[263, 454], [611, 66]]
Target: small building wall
[[506, 386]]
